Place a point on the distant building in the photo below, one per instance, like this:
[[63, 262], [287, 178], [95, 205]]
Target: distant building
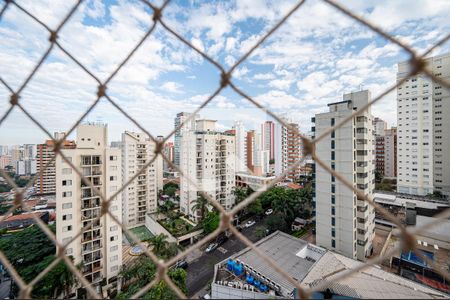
[[5, 160], [288, 150], [241, 147], [99, 247], [208, 158], [379, 126], [344, 223], [25, 167], [256, 183], [45, 164], [246, 275], [423, 118], [23, 220], [190, 125], [268, 138]]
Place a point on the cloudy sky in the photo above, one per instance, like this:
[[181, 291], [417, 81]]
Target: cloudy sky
[[315, 57]]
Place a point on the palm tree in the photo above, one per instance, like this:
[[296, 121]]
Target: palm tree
[[201, 204], [240, 193], [159, 243]]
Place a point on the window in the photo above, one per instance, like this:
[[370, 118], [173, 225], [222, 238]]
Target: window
[[333, 232], [113, 168], [67, 194], [67, 217], [332, 144], [69, 251], [114, 207], [333, 211], [333, 243], [67, 228], [333, 188], [112, 178], [333, 179], [333, 221], [67, 205], [332, 121], [112, 157], [67, 182], [114, 258], [113, 248], [113, 228], [113, 188], [114, 268], [332, 134], [113, 238], [333, 199], [66, 171], [332, 155]]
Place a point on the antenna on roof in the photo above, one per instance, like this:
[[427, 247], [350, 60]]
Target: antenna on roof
[[361, 85]]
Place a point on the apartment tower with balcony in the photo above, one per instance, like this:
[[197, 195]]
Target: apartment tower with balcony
[[208, 159], [423, 120], [345, 223], [45, 164], [99, 248], [141, 195], [181, 118]]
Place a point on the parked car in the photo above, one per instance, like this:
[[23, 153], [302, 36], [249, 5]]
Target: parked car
[[222, 238], [181, 264], [211, 247], [269, 211], [250, 223]]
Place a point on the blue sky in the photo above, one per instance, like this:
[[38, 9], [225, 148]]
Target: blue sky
[[315, 57]]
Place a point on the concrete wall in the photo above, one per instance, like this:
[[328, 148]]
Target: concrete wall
[[225, 292], [152, 224]]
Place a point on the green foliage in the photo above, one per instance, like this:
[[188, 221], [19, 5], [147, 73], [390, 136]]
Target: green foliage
[[277, 222], [255, 208], [170, 188], [200, 204], [378, 176], [4, 208], [211, 222], [260, 232], [142, 272], [299, 233], [30, 251], [159, 243]]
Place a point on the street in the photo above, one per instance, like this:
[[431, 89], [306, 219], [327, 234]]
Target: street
[[201, 269]]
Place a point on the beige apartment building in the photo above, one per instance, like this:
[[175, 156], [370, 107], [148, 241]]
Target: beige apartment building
[[344, 223], [141, 195], [423, 119], [208, 159], [99, 248]]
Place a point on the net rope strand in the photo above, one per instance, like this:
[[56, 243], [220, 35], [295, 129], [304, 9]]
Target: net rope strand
[[225, 79]]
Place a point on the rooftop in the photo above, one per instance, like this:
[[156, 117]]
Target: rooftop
[[371, 283]]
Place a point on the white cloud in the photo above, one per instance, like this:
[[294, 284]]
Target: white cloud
[[172, 87]]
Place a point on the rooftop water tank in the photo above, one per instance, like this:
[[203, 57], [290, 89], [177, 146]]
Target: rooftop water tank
[[249, 279], [230, 265], [238, 269]]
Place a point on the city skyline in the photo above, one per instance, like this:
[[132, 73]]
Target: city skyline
[[162, 79]]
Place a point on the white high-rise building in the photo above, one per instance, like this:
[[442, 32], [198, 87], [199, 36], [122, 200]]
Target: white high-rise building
[[344, 223], [141, 195], [180, 118], [268, 138], [280, 149], [99, 248], [380, 126], [207, 158], [241, 149], [423, 119]]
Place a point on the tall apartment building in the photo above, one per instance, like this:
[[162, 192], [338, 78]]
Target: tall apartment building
[[423, 119], [45, 181], [179, 119], [380, 126], [343, 222], [390, 152], [141, 195], [241, 147], [288, 150], [208, 158], [99, 248], [5, 160], [168, 152], [25, 167], [250, 146], [379, 154], [268, 138]]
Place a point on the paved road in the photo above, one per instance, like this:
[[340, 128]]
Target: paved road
[[201, 270]]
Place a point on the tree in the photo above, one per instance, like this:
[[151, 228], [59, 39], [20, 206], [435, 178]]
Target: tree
[[142, 272], [211, 222], [378, 176], [260, 232], [200, 204], [277, 222], [30, 251], [240, 193], [255, 208], [159, 243], [269, 196]]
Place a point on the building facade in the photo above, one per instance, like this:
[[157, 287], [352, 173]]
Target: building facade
[[343, 222], [45, 181], [287, 150], [141, 195], [423, 118], [268, 138], [99, 248], [179, 119], [207, 158], [390, 153], [379, 126], [241, 147]]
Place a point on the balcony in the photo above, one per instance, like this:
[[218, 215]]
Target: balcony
[[362, 243]]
